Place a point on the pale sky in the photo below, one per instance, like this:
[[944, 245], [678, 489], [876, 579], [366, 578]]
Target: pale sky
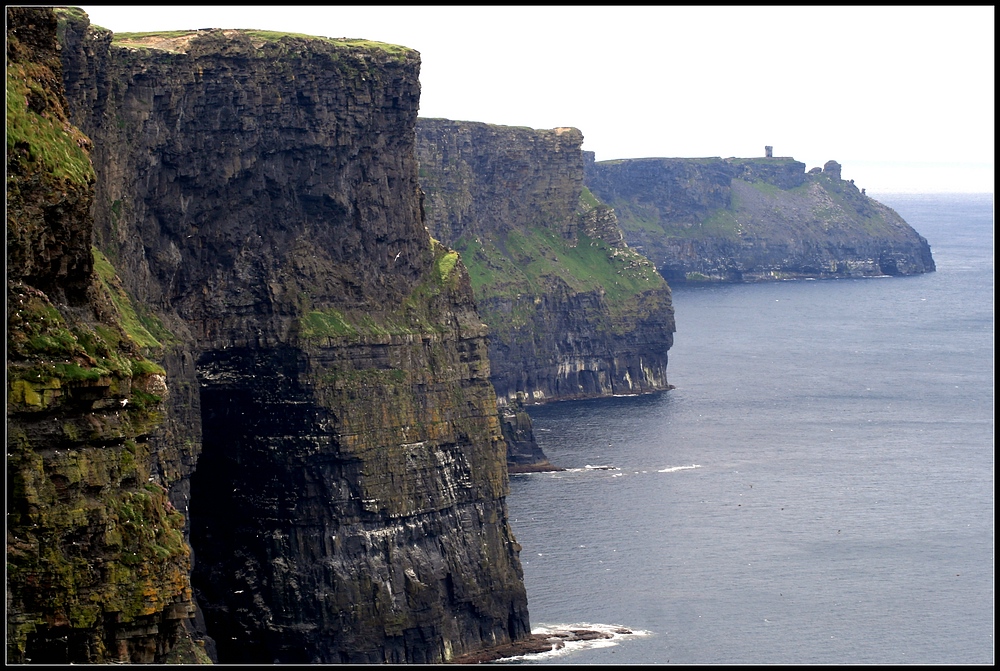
[[902, 97]]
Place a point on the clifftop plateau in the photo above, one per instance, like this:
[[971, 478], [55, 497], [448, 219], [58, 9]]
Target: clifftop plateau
[[753, 219]]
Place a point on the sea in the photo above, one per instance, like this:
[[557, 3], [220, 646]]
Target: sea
[[818, 489]]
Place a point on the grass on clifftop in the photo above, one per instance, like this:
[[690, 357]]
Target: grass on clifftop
[[176, 40]]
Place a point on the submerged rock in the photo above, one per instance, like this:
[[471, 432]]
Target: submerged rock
[[537, 644]]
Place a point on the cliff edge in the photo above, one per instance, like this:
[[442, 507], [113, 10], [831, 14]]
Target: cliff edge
[[573, 311], [739, 220], [97, 566]]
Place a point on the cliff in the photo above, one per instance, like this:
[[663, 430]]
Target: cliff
[[573, 311], [754, 219], [330, 436], [97, 567]]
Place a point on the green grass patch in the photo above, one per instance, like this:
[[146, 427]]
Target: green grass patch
[[41, 138], [145, 401], [42, 345], [638, 218], [763, 160], [37, 330], [326, 324], [144, 367], [588, 200], [71, 372], [767, 189], [156, 34], [536, 261], [130, 320], [445, 264], [721, 223], [273, 36]]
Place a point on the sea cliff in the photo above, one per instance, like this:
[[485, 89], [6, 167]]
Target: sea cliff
[[97, 565], [573, 311], [756, 219], [328, 458]]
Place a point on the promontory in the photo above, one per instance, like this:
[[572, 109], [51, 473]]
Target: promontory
[[754, 219]]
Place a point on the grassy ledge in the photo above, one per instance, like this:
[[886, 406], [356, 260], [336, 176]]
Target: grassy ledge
[[55, 146]]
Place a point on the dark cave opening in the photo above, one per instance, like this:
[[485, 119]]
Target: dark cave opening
[[247, 496]]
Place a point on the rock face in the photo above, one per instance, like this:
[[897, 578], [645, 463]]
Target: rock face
[[738, 220], [97, 566], [523, 453], [331, 433], [573, 311]]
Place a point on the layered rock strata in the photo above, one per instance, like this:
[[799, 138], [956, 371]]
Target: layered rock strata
[[573, 311], [331, 432], [97, 566], [736, 220]]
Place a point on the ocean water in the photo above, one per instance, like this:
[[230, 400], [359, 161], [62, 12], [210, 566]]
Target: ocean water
[[819, 489]]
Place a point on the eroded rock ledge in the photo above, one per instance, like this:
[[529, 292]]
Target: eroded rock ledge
[[536, 644]]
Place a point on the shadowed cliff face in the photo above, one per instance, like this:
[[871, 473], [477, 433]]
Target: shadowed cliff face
[[573, 312], [258, 193], [755, 219]]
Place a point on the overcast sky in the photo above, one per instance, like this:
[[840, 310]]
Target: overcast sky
[[903, 98]]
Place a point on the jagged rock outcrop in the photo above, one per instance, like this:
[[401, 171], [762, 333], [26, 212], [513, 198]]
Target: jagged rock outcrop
[[573, 311], [523, 453], [331, 431], [735, 220]]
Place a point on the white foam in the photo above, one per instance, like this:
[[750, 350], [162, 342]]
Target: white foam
[[588, 469], [671, 469], [572, 646]]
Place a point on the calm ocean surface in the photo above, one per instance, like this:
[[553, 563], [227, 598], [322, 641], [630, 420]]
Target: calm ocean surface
[[819, 489]]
